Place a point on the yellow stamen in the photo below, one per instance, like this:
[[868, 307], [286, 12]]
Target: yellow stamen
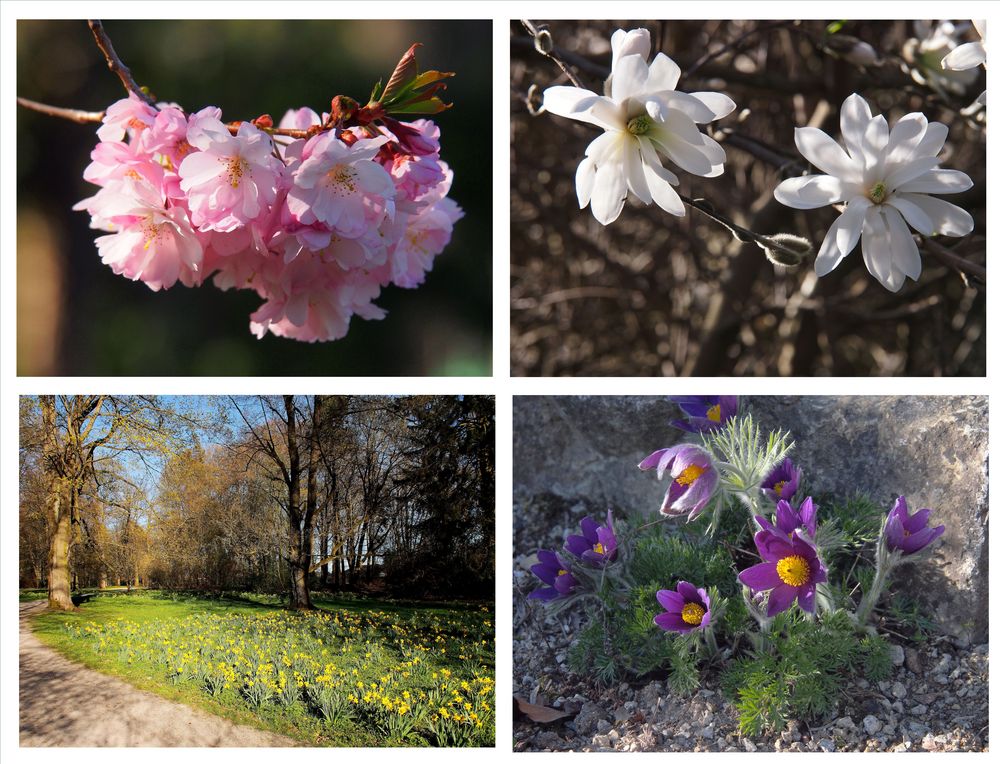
[[562, 572], [342, 179], [779, 486], [599, 547], [692, 613], [714, 414], [794, 570], [690, 474], [235, 167]]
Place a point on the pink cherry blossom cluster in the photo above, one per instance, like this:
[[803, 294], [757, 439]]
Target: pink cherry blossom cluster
[[316, 226]]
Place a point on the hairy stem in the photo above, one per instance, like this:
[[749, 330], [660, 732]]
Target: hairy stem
[[543, 44]]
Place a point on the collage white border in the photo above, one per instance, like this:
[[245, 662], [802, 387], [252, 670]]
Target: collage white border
[[500, 384]]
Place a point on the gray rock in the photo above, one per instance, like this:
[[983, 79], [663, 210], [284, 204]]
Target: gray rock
[[897, 655], [932, 449], [913, 661], [899, 690], [590, 717], [871, 724], [919, 710], [748, 745], [827, 745], [846, 723], [603, 726]]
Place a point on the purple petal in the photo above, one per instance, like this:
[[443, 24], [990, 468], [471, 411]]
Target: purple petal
[[670, 600], [688, 591], [764, 524], [761, 577], [546, 593], [589, 527], [917, 521], [917, 541], [807, 598], [682, 424], [807, 515], [606, 538], [544, 572], [787, 518], [894, 534], [565, 583], [672, 622], [653, 459], [773, 545], [577, 545], [781, 598]]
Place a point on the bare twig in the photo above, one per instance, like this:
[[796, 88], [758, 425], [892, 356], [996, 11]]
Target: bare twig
[[543, 44], [73, 115], [115, 64], [944, 255], [742, 234], [732, 46]]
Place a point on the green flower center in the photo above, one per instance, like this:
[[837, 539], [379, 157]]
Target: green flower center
[[794, 570], [878, 192], [692, 613], [640, 125], [689, 475]]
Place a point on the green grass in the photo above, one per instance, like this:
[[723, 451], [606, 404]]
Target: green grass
[[124, 635]]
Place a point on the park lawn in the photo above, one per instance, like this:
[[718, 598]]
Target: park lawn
[[353, 673]]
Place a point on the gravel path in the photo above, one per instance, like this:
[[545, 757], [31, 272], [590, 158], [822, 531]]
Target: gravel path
[[66, 704], [935, 699]]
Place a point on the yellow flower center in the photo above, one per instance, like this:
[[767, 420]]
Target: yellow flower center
[[235, 168], [599, 547], [779, 486], [714, 413], [640, 125], [342, 180], [562, 572], [690, 474], [692, 613], [794, 570], [878, 192]]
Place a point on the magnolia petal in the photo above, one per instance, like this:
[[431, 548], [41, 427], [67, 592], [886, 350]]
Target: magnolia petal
[[662, 191], [910, 171], [810, 191], [949, 220], [904, 137], [688, 104], [913, 214], [583, 106], [933, 141], [967, 56], [608, 197], [874, 140], [720, 104], [632, 42], [652, 160], [938, 182], [855, 114], [905, 255], [635, 174], [663, 73], [586, 175], [825, 153], [842, 237], [628, 78], [606, 146], [681, 125], [876, 248], [687, 156]]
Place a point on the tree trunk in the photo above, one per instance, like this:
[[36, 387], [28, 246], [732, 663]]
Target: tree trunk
[[299, 573], [59, 578], [103, 581]]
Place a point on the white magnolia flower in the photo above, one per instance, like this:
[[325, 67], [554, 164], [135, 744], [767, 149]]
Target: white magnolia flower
[[970, 55], [928, 48], [642, 116], [885, 178]]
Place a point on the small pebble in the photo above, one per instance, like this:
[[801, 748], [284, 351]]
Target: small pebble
[[871, 724]]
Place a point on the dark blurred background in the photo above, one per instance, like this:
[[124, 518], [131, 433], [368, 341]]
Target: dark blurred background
[[652, 294], [75, 317]]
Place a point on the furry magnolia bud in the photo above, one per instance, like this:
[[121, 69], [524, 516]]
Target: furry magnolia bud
[[786, 249]]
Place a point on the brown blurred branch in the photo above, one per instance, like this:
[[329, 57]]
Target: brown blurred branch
[[73, 115], [731, 46], [945, 256], [115, 64]]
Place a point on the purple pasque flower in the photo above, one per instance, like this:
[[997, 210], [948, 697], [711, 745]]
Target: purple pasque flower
[[687, 609], [788, 519], [783, 481], [552, 570], [693, 478], [597, 545], [790, 571], [908, 533], [704, 413]]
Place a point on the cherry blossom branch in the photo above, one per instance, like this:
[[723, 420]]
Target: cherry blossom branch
[[73, 115], [115, 63]]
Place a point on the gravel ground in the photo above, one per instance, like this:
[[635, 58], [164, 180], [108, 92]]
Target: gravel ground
[[935, 700]]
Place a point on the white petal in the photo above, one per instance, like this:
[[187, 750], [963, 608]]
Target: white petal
[[948, 219], [634, 173], [933, 141], [687, 156], [877, 248], [633, 42], [967, 56], [810, 191], [874, 140], [663, 73], [659, 180], [980, 25], [609, 192], [719, 103], [586, 173], [982, 98], [909, 171], [842, 237], [904, 137], [673, 99], [905, 256], [605, 146], [855, 114], [715, 154], [938, 182], [913, 214], [628, 78], [681, 125], [582, 105], [651, 159], [825, 153]]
